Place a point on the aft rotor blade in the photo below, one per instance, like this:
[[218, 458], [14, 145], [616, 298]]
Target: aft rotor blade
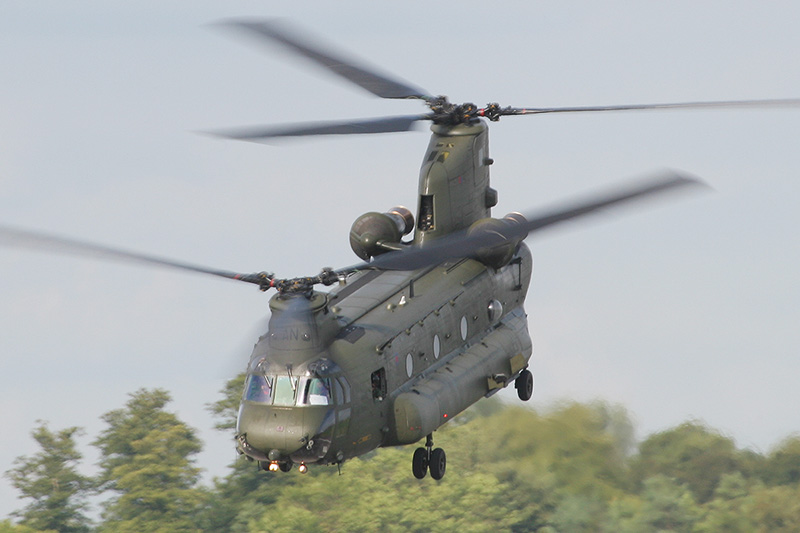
[[464, 244], [784, 102], [374, 125], [347, 68], [34, 240]]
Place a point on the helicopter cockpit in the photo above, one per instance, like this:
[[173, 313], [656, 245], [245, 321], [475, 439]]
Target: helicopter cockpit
[[287, 391], [314, 386], [292, 413]]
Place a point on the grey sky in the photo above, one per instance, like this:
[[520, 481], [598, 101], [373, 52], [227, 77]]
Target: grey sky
[[688, 309]]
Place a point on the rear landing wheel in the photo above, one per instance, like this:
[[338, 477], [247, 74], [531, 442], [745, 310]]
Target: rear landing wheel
[[524, 385], [438, 463], [419, 463]]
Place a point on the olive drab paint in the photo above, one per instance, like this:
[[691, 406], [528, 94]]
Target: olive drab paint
[[411, 348], [454, 187]]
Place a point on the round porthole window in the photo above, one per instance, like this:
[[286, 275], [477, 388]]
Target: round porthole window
[[495, 311], [463, 328], [409, 365], [437, 346]]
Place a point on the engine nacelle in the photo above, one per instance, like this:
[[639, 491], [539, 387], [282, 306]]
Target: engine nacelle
[[497, 256], [376, 233]]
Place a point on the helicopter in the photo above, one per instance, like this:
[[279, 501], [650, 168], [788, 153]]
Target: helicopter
[[421, 328]]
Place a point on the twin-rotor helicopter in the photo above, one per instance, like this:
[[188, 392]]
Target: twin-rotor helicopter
[[429, 322]]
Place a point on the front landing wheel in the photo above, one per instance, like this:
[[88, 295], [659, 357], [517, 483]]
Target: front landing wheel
[[524, 385], [438, 463], [419, 463]]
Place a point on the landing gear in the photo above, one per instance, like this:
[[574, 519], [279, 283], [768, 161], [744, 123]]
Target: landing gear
[[419, 463], [524, 385], [438, 463], [427, 457]]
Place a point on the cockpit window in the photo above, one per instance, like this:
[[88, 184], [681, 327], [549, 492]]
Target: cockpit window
[[285, 388], [314, 391], [289, 390], [259, 388]]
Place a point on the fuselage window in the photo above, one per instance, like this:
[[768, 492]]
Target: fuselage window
[[259, 388], [425, 220], [517, 271], [464, 327], [314, 391], [378, 380], [285, 388], [437, 346]]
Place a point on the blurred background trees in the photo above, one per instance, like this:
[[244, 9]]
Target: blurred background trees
[[574, 467]]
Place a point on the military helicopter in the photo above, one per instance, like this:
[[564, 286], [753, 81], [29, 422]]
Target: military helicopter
[[422, 328]]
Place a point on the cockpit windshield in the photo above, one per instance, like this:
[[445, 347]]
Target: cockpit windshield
[[287, 391], [258, 388], [314, 391]]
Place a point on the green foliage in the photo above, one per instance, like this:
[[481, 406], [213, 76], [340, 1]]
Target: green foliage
[[379, 494], [667, 506], [572, 468], [146, 460], [691, 454], [776, 509], [731, 510], [51, 480], [782, 465], [226, 408], [509, 469], [7, 527], [574, 449]]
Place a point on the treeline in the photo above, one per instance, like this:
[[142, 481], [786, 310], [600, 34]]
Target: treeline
[[573, 468]]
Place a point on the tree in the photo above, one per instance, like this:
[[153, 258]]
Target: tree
[[782, 465], [377, 493], [7, 527], [667, 506], [146, 459], [692, 454], [227, 408], [776, 509], [731, 510], [50, 478]]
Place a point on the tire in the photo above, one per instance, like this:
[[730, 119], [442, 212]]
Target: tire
[[438, 463], [419, 463], [524, 385], [285, 467]]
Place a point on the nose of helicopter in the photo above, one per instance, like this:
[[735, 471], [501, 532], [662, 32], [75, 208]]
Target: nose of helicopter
[[270, 432]]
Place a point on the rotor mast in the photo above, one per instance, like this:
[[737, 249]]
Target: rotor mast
[[454, 189]]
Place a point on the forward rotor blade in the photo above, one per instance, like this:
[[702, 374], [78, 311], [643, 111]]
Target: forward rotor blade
[[784, 102], [463, 244], [374, 125], [34, 240], [301, 44]]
